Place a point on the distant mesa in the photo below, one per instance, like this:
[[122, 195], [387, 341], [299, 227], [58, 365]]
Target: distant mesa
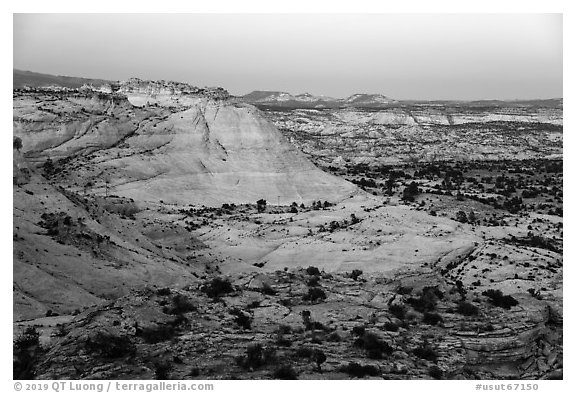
[[307, 100], [24, 79]]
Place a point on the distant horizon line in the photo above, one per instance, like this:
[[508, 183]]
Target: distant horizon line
[[306, 92]]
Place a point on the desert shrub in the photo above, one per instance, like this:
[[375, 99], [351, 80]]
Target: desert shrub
[[25, 354], [304, 352], [391, 326], [162, 370], [319, 357], [358, 330], [425, 351], [257, 356], [373, 345], [315, 355], [467, 309], [312, 271], [242, 318], [498, 299], [313, 281], [29, 338], [460, 289], [355, 274], [432, 318], [282, 341], [314, 294], [435, 372], [397, 310], [254, 356], [180, 305], [309, 324], [156, 333], [427, 299], [217, 287], [285, 372], [108, 345], [360, 371], [486, 328]]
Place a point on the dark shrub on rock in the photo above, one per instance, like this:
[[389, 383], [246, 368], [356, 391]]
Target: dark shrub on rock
[[285, 372], [373, 345], [498, 299], [242, 318], [217, 287], [360, 371], [355, 274], [397, 310], [108, 345], [435, 372], [315, 294], [313, 271], [467, 309], [425, 351], [432, 318]]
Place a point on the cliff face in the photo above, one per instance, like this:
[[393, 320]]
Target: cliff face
[[64, 124], [181, 145]]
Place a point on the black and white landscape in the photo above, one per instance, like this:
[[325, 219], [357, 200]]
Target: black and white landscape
[[163, 230]]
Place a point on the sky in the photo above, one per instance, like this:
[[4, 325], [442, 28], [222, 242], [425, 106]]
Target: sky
[[403, 56]]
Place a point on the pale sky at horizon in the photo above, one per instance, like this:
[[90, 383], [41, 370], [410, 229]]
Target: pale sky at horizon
[[403, 56]]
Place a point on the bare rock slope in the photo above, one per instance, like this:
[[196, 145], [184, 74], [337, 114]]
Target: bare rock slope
[[180, 146]]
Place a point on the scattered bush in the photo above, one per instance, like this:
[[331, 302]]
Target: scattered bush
[[319, 357], [498, 299], [391, 326], [304, 352], [397, 310], [360, 371], [180, 305], [435, 372], [467, 309], [111, 346], [373, 345], [256, 356], [285, 372], [28, 339], [162, 370], [432, 318], [242, 318], [25, 354], [355, 274], [312, 271], [217, 287], [427, 299], [425, 351], [314, 294], [156, 333], [309, 324], [313, 281], [358, 330]]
